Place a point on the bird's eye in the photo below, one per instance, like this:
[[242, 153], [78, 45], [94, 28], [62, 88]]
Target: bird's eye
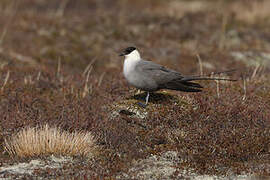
[[129, 50]]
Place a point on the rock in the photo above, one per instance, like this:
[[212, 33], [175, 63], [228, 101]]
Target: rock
[[29, 168]]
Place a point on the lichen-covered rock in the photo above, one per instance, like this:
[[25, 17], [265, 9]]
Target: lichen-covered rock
[[164, 166], [29, 168], [159, 102]]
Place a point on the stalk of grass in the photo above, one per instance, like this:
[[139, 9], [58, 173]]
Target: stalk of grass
[[255, 71], [87, 89], [200, 64], [218, 94], [59, 67], [245, 89], [60, 11], [5, 81], [101, 78], [38, 76], [45, 140], [28, 80], [89, 66]]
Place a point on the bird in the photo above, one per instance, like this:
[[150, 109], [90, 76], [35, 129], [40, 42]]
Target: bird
[[150, 77]]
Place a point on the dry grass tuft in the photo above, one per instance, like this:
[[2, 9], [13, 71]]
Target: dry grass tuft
[[45, 140]]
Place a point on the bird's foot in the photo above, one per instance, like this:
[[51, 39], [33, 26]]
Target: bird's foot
[[142, 105]]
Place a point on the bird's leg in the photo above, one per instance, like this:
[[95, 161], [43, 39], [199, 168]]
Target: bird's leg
[[147, 98], [146, 101]]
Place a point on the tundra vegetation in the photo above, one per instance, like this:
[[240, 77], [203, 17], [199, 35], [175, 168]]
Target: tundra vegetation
[[60, 75]]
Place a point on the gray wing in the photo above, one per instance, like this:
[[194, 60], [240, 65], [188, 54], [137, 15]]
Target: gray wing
[[160, 74], [165, 78]]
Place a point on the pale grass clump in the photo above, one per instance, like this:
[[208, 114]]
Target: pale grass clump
[[45, 140]]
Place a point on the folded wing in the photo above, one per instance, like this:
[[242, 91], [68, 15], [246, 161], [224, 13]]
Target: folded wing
[[166, 78]]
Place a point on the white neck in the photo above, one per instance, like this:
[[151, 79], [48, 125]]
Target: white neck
[[134, 55], [130, 63]]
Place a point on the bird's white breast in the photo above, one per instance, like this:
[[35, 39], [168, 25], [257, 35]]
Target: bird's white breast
[[129, 70], [129, 66]]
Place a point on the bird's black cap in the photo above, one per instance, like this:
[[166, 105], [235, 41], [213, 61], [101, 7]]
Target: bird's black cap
[[127, 51]]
